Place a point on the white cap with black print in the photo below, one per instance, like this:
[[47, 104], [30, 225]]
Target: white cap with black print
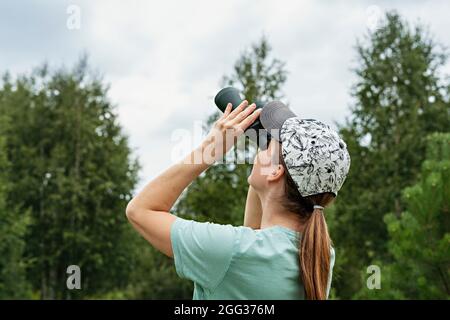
[[316, 157]]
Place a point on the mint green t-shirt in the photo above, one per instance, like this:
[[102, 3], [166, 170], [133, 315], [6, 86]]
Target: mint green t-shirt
[[229, 262]]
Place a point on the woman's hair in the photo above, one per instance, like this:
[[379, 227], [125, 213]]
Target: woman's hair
[[315, 242]]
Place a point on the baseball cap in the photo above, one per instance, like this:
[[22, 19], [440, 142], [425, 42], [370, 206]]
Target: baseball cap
[[315, 155]]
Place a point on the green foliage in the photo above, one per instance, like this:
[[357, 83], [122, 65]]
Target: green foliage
[[420, 238], [152, 276], [71, 169], [156, 278], [13, 284], [399, 100], [256, 76]]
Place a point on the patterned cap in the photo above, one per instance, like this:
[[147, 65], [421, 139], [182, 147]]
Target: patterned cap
[[316, 157]]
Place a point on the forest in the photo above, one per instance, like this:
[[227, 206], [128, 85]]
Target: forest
[[67, 172]]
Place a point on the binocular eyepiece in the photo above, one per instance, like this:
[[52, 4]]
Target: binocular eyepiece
[[256, 131]]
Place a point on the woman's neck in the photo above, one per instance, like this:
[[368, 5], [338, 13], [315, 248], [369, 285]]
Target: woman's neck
[[273, 213]]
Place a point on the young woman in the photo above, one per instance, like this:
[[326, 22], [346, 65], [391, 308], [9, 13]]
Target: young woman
[[283, 250]]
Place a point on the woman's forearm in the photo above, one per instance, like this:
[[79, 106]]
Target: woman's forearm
[[161, 193]]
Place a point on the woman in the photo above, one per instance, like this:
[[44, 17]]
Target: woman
[[283, 250]]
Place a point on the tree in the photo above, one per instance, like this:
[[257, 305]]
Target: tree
[[419, 240], [400, 99], [74, 172], [13, 283], [155, 277]]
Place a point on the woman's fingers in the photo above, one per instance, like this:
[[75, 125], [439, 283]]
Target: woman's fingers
[[238, 110], [250, 119], [241, 117], [243, 114], [227, 110]]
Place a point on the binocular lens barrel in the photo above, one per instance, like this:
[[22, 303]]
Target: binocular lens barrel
[[227, 95], [256, 131]]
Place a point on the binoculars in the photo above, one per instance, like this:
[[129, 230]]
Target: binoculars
[[256, 131]]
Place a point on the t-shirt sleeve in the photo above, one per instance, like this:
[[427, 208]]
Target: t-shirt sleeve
[[202, 251], [330, 275]]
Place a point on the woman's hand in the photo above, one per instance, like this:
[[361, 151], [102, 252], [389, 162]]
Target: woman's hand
[[225, 131]]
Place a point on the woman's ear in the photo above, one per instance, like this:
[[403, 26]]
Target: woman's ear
[[276, 173]]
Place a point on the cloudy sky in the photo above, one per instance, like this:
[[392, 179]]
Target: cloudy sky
[[164, 59]]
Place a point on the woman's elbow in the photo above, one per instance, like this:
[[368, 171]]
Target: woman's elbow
[[131, 211]]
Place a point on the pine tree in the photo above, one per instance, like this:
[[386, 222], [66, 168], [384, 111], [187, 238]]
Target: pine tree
[[400, 99], [419, 240], [13, 283]]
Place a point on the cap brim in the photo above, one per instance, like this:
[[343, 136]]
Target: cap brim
[[273, 115]]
